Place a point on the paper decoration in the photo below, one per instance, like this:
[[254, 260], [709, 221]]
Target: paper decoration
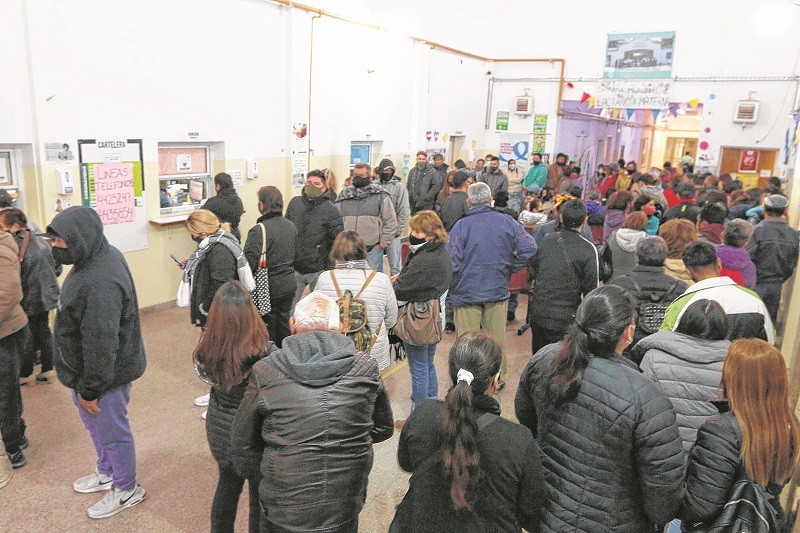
[[630, 113], [429, 135], [591, 102], [693, 103], [585, 97], [704, 145], [615, 112], [655, 113], [673, 110], [571, 85], [707, 130]]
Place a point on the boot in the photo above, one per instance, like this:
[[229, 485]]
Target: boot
[[29, 381], [6, 472], [47, 377]]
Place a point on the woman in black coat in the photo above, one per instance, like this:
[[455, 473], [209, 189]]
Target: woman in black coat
[[424, 278], [281, 236], [472, 471], [611, 450], [757, 440], [235, 338]]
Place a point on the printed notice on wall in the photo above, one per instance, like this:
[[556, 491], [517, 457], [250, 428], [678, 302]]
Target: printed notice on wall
[[113, 192]]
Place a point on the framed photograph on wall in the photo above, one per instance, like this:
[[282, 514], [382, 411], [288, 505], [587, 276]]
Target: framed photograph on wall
[[360, 153]]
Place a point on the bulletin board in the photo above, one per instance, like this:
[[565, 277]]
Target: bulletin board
[[112, 183]]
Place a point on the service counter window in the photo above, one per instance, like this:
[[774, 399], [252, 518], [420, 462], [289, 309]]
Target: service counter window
[[184, 177]]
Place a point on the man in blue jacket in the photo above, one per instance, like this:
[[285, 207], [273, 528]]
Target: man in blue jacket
[[486, 247], [100, 352]]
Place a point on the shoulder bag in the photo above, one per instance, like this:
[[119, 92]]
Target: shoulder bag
[[261, 292], [419, 323]]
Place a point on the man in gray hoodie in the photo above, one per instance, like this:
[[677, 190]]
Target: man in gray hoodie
[[399, 196]]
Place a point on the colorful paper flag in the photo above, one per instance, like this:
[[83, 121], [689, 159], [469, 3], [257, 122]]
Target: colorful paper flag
[[693, 103], [630, 112], [585, 97], [615, 112], [655, 113], [673, 110], [591, 102]]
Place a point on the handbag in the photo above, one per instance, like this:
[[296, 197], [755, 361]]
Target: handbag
[[419, 323], [261, 292]]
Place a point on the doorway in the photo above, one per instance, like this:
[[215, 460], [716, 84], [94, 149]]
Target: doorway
[[677, 147], [455, 144]]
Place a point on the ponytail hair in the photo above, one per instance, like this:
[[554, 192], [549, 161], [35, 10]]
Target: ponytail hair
[[476, 353], [599, 323]]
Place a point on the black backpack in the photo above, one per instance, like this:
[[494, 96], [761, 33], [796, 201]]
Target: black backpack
[[652, 307]]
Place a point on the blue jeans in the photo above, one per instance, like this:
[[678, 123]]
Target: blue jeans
[[424, 383], [674, 526], [393, 254], [112, 437], [375, 258], [771, 295]]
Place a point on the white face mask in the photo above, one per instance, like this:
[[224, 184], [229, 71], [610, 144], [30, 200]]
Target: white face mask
[[512, 167]]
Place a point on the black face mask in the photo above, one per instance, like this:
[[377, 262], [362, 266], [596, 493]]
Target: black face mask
[[387, 176], [537, 163], [198, 239], [415, 240], [561, 163], [360, 182], [63, 256]]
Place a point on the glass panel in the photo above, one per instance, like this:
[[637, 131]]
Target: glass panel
[[186, 160], [181, 193]]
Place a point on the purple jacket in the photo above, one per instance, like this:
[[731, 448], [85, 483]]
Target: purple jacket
[[614, 220], [738, 259]]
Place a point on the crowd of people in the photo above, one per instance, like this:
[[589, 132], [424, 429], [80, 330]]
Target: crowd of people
[[653, 387]]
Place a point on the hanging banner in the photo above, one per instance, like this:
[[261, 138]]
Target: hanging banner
[[539, 134], [636, 56], [633, 94], [515, 146]]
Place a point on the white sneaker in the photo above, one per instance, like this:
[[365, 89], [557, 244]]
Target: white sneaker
[[94, 482], [202, 401], [115, 501], [204, 415]]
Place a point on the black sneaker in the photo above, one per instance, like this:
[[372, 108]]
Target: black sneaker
[[449, 328], [18, 459], [510, 316], [24, 443]]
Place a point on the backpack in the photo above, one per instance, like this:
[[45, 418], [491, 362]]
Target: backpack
[[353, 316], [651, 307], [605, 267]]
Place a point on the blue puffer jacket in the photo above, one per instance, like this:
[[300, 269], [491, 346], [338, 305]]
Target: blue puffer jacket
[[486, 247]]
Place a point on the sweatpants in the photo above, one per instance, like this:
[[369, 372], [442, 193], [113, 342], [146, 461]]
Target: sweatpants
[[111, 435], [489, 317]]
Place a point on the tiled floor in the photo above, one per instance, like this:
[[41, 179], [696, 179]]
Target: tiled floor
[[175, 465]]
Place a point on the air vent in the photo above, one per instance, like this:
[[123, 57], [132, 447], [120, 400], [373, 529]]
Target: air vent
[[524, 105], [746, 112]]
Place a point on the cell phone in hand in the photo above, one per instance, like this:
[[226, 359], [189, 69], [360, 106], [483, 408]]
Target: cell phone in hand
[[180, 263]]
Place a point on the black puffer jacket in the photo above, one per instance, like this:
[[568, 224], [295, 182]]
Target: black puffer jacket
[[39, 275], [98, 292], [228, 207], [221, 409], [774, 249], [713, 469], [426, 274], [281, 245], [612, 456], [315, 407], [318, 222], [217, 267]]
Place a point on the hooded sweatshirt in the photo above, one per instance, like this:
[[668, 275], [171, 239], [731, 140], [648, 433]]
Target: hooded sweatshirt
[[737, 259], [623, 250], [315, 408], [398, 194], [689, 371], [369, 212], [98, 291], [711, 233], [615, 218]]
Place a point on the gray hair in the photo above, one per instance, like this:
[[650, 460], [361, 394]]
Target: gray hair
[[317, 311], [737, 233], [479, 194], [652, 251]]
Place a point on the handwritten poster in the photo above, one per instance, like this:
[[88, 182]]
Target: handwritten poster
[[633, 95], [113, 191]]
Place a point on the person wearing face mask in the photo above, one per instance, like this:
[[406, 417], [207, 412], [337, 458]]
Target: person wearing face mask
[[367, 208], [423, 185], [556, 171], [441, 169], [515, 177], [318, 222], [625, 179], [100, 362], [494, 177], [536, 178], [399, 196], [647, 205]]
